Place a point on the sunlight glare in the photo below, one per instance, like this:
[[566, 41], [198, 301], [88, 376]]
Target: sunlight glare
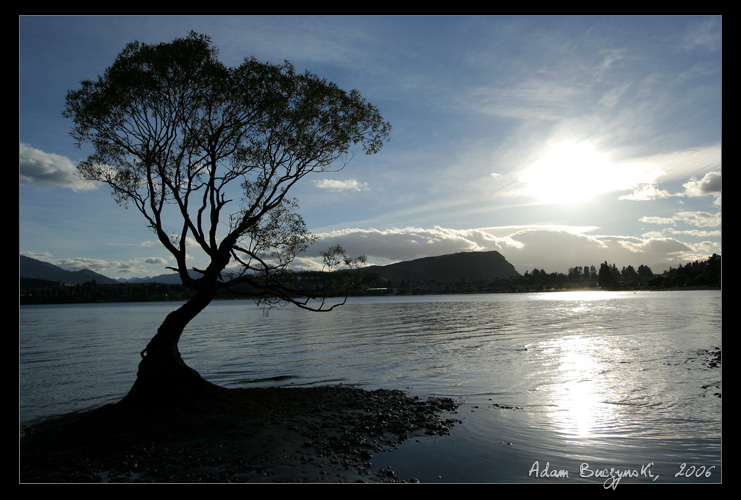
[[581, 385], [570, 172]]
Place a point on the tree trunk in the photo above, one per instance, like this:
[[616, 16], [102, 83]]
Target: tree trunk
[[163, 377]]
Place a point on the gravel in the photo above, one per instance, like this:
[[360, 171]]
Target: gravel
[[270, 435]]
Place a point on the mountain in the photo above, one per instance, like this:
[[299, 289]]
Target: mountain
[[168, 279], [35, 269], [469, 266]]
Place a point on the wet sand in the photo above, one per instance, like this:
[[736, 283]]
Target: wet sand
[[272, 435]]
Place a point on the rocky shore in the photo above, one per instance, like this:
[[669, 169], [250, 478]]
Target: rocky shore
[[271, 435]]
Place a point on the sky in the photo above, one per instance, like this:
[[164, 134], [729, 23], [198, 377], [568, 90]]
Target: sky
[[556, 141]]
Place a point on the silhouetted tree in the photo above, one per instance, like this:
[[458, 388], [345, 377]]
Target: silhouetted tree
[[644, 273], [173, 131], [608, 275], [575, 273], [628, 273]]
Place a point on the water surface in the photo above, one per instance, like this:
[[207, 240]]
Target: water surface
[[550, 383]]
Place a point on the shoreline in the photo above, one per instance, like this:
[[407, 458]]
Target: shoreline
[[26, 301], [269, 435]]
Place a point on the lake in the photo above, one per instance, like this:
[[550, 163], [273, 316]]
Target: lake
[[595, 387]]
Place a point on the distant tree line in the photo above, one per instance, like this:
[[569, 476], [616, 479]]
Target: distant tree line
[[697, 274], [39, 291], [50, 292], [608, 276], [706, 274]]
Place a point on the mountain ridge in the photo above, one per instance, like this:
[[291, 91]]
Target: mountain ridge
[[469, 266], [30, 268]]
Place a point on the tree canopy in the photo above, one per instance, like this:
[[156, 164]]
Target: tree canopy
[[173, 131], [208, 154]]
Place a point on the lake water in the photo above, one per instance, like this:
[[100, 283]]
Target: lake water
[[554, 387]]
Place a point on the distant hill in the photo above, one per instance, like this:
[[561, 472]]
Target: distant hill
[[39, 270], [34, 272], [168, 279], [469, 266]]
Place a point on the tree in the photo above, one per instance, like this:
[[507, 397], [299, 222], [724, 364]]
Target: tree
[[575, 273], [628, 273], [608, 275], [208, 154], [644, 273]]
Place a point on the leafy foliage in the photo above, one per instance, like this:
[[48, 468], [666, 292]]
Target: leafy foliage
[[208, 153]]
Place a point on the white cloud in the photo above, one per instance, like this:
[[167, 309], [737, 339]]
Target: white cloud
[[711, 183], [336, 185], [696, 219], [37, 168], [705, 161], [696, 233], [554, 249], [654, 246], [398, 244], [111, 268], [685, 163], [646, 192], [657, 220], [699, 219]]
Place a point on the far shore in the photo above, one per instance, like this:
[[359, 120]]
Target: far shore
[[28, 298]]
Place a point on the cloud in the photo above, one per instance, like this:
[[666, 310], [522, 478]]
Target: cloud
[[37, 168], [654, 246], [558, 250], [159, 261], [554, 249], [646, 192], [711, 183], [696, 219], [696, 233], [649, 219], [398, 244], [705, 161], [110, 268], [683, 163], [113, 268], [533, 99], [703, 36], [335, 185], [699, 219]]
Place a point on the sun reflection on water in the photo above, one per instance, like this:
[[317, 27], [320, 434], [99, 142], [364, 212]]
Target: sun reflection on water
[[579, 385], [582, 295], [582, 372]]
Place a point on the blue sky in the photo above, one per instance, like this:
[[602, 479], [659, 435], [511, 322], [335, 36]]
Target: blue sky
[[557, 141]]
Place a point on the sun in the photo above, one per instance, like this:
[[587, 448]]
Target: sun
[[570, 172]]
